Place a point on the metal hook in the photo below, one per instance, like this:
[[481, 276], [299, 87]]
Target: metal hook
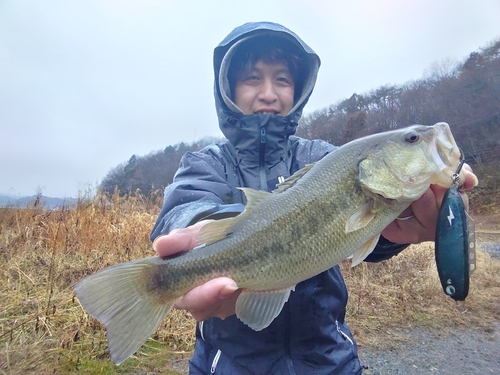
[[456, 175]]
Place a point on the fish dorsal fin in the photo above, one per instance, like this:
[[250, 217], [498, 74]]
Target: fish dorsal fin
[[365, 250], [216, 230], [257, 309], [220, 229], [292, 180], [360, 217], [254, 198]]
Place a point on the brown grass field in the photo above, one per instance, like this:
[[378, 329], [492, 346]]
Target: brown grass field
[[43, 253]]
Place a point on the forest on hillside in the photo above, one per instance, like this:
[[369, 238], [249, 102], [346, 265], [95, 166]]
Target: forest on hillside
[[464, 94]]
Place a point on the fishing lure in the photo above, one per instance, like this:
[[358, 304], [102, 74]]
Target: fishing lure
[[455, 243]]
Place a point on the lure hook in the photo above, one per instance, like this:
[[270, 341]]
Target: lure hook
[[456, 175]]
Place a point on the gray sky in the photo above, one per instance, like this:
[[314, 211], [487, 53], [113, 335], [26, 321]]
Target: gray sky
[[86, 84]]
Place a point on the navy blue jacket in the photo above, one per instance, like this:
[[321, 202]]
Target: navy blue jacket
[[310, 335]]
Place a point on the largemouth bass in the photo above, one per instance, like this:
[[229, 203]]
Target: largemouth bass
[[323, 214]]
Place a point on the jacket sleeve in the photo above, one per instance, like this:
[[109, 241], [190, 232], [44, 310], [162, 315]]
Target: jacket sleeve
[[385, 250], [199, 191]]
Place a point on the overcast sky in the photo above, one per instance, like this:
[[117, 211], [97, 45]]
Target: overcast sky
[[84, 85]]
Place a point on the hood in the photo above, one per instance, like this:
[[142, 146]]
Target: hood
[[233, 123]]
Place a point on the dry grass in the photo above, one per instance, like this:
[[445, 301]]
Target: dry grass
[[43, 253]]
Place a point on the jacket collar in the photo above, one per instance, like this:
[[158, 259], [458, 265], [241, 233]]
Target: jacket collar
[[251, 135]]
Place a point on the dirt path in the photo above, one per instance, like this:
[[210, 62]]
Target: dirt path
[[489, 242], [425, 351]]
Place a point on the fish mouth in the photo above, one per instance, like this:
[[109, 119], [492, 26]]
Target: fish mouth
[[446, 155]]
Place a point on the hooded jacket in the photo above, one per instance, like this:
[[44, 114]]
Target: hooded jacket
[[310, 335]]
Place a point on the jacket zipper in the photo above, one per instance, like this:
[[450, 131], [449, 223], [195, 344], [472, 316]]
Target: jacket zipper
[[200, 325], [217, 355], [344, 335], [215, 361], [262, 159]]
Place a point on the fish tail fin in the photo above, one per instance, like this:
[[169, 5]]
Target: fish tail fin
[[121, 299]]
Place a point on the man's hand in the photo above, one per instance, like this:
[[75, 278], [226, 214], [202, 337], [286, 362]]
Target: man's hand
[[418, 222], [214, 298]]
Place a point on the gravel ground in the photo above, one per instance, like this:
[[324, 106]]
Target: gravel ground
[[466, 352], [492, 248]]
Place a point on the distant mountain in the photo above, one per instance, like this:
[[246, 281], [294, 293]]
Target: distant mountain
[[45, 202]]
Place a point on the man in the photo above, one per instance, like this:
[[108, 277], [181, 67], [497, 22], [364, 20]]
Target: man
[[264, 76]]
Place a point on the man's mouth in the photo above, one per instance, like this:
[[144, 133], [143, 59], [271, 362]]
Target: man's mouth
[[267, 112]]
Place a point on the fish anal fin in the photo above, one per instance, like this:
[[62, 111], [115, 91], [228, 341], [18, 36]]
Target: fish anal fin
[[365, 250], [257, 309], [360, 218]]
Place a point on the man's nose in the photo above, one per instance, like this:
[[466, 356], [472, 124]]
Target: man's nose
[[267, 91]]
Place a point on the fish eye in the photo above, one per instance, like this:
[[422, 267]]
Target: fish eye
[[411, 137]]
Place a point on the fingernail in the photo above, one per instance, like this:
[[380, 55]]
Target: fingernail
[[228, 290], [476, 181], [156, 240], [154, 243]]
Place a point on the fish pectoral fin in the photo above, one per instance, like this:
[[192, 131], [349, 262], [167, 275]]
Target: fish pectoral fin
[[292, 180], [365, 250], [119, 298], [360, 217], [257, 309]]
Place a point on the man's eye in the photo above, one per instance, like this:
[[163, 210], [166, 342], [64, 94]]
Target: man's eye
[[252, 78], [284, 80]]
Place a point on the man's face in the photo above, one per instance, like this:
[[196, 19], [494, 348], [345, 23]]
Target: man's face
[[267, 88]]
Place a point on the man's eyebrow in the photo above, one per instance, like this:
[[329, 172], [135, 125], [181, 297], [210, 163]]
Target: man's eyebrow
[[284, 70], [255, 69]]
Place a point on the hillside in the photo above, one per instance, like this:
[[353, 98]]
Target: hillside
[[35, 200]]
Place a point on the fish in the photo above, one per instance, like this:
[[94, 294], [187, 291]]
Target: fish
[[325, 213]]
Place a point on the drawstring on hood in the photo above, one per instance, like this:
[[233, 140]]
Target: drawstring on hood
[[260, 138]]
